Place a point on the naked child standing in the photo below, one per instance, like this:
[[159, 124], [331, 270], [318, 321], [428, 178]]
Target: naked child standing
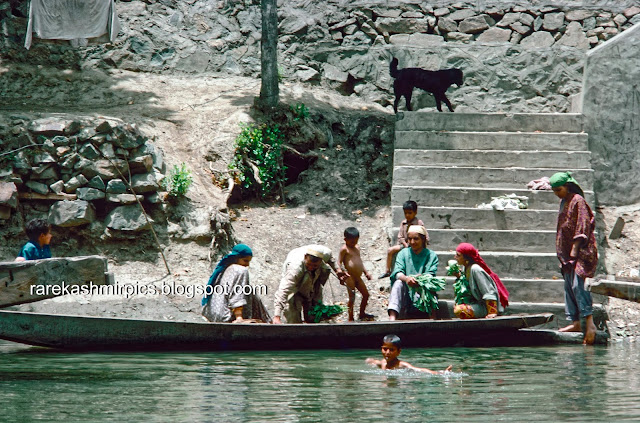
[[350, 260]]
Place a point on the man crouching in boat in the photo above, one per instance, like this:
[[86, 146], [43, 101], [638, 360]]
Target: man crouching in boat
[[306, 270]]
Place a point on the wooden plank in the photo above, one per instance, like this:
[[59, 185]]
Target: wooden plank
[[35, 280], [104, 333], [50, 196], [619, 289]]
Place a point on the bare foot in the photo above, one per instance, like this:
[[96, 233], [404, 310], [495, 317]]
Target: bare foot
[[573, 327], [590, 333]]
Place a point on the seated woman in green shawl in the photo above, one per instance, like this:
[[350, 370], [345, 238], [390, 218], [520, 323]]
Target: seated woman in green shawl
[[410, 263]]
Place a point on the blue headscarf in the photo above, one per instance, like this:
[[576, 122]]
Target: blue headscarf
[[239, 251]]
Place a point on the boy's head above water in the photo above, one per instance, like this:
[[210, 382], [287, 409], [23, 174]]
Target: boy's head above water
[[391, 347], [410, 209]]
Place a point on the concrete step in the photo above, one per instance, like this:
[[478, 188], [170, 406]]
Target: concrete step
[[481, 177], [457, 140], [511, 264], [531, 290], [474, 218], [531, 241], [493, 158], [472, 196], [600, 315], [526, 122]]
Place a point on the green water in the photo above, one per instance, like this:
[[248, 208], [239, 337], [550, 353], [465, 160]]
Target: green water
[[568, 383]]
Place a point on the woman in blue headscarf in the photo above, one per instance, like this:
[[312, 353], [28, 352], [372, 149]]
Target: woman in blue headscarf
[[229, 297]]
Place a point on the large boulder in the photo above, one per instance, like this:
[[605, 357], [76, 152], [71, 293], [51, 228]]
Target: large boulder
[[71, 213], [127, 218]]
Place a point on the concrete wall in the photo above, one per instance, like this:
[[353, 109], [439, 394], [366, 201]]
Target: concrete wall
[[611, 105]]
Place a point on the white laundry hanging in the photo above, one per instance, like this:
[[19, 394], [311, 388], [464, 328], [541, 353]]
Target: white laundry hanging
[[71, 20]]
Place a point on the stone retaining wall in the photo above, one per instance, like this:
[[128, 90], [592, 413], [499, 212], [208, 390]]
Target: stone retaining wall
[[611, 105], [87, 164], [348, 45]]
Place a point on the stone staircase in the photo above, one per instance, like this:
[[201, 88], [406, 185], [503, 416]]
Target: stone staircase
[[449, 163]]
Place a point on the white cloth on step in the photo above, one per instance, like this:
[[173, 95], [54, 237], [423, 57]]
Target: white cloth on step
[[71, 19]]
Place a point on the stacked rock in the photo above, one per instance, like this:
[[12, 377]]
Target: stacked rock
[[88, 165]]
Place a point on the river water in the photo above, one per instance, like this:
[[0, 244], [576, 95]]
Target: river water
[[536, 384]]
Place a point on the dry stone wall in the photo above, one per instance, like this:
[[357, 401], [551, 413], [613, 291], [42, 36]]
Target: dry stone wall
[[93, 167], [517, 56]]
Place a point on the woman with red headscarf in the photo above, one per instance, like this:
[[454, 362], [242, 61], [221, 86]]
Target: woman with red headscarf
[[490, 297]]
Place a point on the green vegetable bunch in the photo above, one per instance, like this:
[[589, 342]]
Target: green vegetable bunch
[[424, 294], [461, 285], [178, 182], [322, 312]]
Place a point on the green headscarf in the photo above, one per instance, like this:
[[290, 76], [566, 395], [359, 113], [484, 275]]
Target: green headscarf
[[561, 178]]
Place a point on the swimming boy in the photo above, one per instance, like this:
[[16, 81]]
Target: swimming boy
[[349, 259], [39, 233], [410, 209], [390, 351]]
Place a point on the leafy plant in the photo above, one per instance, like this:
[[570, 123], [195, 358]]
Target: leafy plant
[[424, 294], [322, 312], [300, 112], [258, 164], [461, 285], [178, 182]]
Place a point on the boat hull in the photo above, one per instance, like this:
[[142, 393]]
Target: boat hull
[[98, 333]]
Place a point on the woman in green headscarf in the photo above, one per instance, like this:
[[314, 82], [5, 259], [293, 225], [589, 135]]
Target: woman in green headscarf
[[577, 252], [228, 296]]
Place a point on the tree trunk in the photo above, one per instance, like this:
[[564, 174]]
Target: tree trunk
[[269, 92]]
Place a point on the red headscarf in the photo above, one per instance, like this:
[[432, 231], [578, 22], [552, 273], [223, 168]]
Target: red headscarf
[[471, 252]]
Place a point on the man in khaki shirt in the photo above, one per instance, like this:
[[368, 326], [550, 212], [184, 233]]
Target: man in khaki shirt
[[306, 270]]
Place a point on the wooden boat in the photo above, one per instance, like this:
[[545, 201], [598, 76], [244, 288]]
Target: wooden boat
[[35, 280], [99, 333], [627, 290]]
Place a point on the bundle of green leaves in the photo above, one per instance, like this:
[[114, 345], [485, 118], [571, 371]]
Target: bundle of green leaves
[[424, 294], [323, 312], [461, 285]]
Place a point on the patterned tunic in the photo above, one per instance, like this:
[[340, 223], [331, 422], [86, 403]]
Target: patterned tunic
[[576, 221], [230, 293]]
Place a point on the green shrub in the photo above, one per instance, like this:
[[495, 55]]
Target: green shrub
[[258, 164], [300, 111], [178, 182]]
